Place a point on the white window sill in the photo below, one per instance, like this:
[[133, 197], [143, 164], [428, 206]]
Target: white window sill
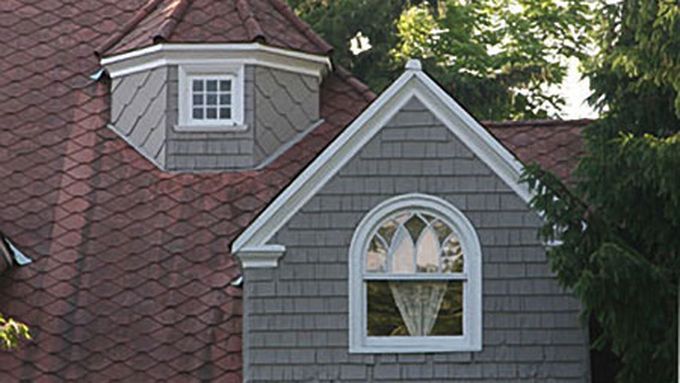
[[410, 345], [225, 127]]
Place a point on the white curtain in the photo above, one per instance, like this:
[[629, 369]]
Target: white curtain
[[419, 304]]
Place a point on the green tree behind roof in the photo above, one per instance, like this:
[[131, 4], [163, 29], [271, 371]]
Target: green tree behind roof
[[620, 222], [498, 57]]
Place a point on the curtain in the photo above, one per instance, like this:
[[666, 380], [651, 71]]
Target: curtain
[[419, 304]]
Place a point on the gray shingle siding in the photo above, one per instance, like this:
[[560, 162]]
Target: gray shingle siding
[[296, 316], [286, 103], [138, 111], [279, 106]]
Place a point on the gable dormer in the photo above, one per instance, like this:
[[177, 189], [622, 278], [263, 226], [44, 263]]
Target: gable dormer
[[225, 85]]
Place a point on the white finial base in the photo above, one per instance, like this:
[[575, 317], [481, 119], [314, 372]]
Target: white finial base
[[413, 64]]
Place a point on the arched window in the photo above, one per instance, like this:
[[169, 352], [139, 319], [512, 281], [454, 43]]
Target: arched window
[[415, 279]]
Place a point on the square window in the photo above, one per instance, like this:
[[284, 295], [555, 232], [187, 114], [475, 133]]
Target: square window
[[210, 98]]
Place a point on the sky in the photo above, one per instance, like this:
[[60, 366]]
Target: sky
[[575, 90]]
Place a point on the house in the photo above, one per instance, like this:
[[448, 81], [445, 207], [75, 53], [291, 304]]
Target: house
[[205, 197]]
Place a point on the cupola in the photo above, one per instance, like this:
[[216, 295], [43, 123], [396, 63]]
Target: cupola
[[214, 85]]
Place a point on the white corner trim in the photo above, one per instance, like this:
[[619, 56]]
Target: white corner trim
[[412, 83], [266, 256], [471, 340], [220, 54]]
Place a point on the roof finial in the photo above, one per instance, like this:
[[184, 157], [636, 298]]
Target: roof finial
[[414, 64]]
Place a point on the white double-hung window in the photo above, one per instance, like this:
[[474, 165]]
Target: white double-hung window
[[210, 97], [415, 279]]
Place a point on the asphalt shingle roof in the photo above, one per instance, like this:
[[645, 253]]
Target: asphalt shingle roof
[[131, 273]]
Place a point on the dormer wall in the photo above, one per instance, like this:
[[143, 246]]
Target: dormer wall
[[139, 104], [279, 107]]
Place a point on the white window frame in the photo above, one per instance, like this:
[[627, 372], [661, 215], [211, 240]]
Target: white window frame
[[471, 340], [187, 73]]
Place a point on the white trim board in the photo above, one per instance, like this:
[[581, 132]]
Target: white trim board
[[218, 54], [412, 83]]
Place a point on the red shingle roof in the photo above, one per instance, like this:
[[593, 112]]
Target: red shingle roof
[[210, 21], [553, 144], [131, 272]]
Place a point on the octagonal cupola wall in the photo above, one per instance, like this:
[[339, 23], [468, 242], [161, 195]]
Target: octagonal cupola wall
[[214, 85]]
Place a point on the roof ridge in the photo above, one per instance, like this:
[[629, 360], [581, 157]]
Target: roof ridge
[[127, 28], [253, 27], [357, 84], [170, 23], [302, 26]]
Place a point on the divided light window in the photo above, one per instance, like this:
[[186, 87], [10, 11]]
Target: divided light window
[[212, 98], [415, 279]]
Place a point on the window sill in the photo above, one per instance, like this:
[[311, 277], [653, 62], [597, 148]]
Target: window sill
[[442, 344], [226, 127]]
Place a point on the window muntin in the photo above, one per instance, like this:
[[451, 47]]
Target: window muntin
[[417, 245], [414, 242], [212, 98], [415, 279]]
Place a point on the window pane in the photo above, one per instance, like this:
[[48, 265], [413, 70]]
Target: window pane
[[452, 256], [443, 230], [211, 85], [225, 85], [414, 308], [211, 113], [427, 251], [198, 99], [225, 99], [376, 257], [403, 252], [211, 99], [414, 226], [197, 85], [197, 113], [225, 113]]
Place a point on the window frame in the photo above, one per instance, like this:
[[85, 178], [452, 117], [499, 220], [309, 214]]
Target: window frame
[[186, 75], [471, 340]]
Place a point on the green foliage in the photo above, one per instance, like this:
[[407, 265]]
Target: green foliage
[[619, 223], [11, 332], [338, 21], [498, 57]]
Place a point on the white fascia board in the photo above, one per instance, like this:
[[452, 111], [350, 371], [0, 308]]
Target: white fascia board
[[179, 54], [412, 83], [476, 137]]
